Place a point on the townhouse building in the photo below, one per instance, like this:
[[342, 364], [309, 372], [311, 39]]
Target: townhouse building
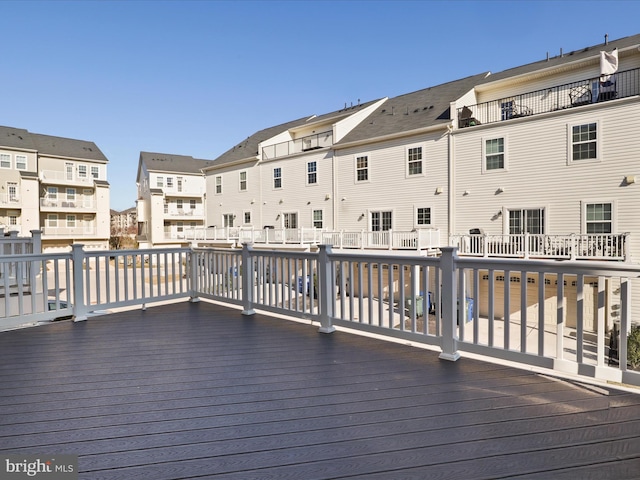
[[171, 198], [56, 185], [537, 161]]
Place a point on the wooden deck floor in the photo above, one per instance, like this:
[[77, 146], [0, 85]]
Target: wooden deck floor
[[198, 391]]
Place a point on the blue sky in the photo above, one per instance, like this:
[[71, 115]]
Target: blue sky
[[196, 77]]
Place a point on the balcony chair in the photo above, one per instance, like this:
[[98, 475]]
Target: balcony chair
[[607, 89], [466, 119], [580, 95]]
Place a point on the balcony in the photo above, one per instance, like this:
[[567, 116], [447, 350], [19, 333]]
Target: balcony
[[9, 200], [186, 213], [299, 145], [69, 232], [63, 202], [605, 246], [585, 92], [58, 177]]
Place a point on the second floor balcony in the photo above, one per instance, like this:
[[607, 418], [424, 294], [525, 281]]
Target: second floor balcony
[[299, 145], [63, 201], [569, 95], [58, 177], [10, 200]]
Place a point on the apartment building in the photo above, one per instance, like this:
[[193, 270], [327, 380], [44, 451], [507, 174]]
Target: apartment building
[[124, 221], [54, 184], [171, 198]]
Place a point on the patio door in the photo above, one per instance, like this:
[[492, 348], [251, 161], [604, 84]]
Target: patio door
[[380, 223], [526, 221]]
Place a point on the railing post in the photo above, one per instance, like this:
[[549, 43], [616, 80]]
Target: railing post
[[390, 239], [449, 308], [526, 240], [247, 280], [485, 245], [193, 277], [79, 308], [36, 235], [574, 246], [324, 289]]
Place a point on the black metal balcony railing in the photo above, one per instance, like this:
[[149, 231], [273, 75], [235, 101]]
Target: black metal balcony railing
[[584, 92], [311, 142]]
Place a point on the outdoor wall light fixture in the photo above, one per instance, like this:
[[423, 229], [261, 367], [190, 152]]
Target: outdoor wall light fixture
[[438, 190], [628, 180], [500, 190], [467, 192], [344, 199], [281, 200], [253, 200], [327, 196]]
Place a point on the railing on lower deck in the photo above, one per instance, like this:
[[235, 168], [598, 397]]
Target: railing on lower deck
[[600, 246], [573, 317], [560, 97]]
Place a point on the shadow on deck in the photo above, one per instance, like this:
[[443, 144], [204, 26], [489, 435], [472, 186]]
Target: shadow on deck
[[199, 391]]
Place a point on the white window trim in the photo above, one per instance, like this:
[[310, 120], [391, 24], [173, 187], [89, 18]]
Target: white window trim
[[598, 159], [273, 178], [505, 168], [246, 181], [505, 215], [26, 162], [415, 217], [313, 219], [307, 173], [87, 170], [355, 168], [244, 212], [215, 185], [422, 161], [614, 213], [10, 161]]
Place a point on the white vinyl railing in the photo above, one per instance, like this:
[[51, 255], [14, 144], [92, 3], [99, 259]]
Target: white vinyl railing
[[572, 317], [602, 246]]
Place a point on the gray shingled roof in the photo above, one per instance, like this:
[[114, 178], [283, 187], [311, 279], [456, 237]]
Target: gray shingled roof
[[412, 111], [248, 149], [569, 57], [16, 138], [67, 147], [167, 162]]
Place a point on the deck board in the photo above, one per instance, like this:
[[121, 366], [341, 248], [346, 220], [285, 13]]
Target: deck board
[[199, 391]]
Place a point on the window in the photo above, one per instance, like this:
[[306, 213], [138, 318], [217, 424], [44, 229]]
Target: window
[[169, 182], [5, 160], [13, 218], [68, 169], [71, 221], [317, 218], [247, 218], [584, 141], [71, 194], [52, 219], [362, 169], [312, 172], [526, 221], [243, 181], [219, 184], [290, 220], [52, 193], [192, 204], [494, 154], [166, 206], [82, 171], [423, 216], [414, 157], [179, 205], [12, 190], [180, 227], [599, 217], [179, 182], [21, 162], [277, 178], [228, 219], [160, 182], [380, 221], [95, 172]]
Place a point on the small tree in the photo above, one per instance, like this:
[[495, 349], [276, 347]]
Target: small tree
[[633, 347]]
